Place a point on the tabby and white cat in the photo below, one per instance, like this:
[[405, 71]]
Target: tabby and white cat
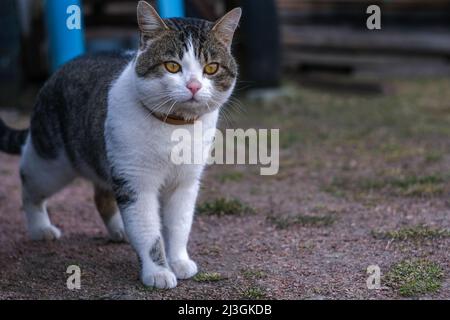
[[109, 118]]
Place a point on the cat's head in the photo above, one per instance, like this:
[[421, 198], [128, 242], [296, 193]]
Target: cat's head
[[184, 66]]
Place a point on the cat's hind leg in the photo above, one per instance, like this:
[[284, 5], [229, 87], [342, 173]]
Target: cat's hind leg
[[106, 204], [41, 178]]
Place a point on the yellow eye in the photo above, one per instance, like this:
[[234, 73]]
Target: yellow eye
[[211, 68], [172, 67]]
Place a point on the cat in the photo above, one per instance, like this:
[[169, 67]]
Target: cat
[[109, 118]]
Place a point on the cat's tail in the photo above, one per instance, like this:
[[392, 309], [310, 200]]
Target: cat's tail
[[11, 140]]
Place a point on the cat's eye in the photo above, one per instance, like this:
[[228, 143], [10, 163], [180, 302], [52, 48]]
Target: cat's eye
[[172, 67], [211, 68]]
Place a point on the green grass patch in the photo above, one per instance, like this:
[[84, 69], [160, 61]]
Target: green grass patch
[[409, 186], [336, 188], [223, 207], [253, 293], [396, 151], [288, 138], [419, 232], [208, 277], [418, 185], [415, 277], [230, 176], [303, 220], [253, 274], [433, 156]]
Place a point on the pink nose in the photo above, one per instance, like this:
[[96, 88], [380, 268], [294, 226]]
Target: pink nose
[[194, 86]]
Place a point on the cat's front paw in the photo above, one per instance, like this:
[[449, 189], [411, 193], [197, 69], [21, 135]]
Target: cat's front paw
[[45, 233], [161, 279], [184, 269]]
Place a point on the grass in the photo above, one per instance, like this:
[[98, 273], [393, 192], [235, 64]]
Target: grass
[[336, 188], [234, 176], [398, 129], [289, 138], [415, 277], [253, 293], [302, 220], [208, 277], [418, 185], [393, 152], [223, 207], [433, 156], [419, 232], [412, 185], [253, 274]]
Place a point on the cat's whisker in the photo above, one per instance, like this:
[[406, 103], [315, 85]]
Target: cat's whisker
[[156, 108], [223, 114], [235, 107], [229, 117], [153, 95], [170, 109]]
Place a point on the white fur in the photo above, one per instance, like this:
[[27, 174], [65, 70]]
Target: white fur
[[42, 179]]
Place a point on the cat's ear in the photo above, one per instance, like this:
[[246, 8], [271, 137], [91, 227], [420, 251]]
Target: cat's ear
[[226, 26], [148, 19]]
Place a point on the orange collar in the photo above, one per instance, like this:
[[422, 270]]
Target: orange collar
[[173, 119]]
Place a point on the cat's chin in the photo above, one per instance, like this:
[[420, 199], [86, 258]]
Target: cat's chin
[[189, 109], [193, 109]]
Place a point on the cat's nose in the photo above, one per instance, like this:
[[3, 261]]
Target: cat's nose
[[194, 86]]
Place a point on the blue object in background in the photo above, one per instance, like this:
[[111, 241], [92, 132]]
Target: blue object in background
[[171, 8], [65, 44]]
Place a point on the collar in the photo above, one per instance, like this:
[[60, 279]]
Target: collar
[[173, 119]]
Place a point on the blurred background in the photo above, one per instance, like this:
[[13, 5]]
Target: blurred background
[[321, 42], [35, 40], [364, 162]]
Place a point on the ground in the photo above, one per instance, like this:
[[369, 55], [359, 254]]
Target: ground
[[364, 180]]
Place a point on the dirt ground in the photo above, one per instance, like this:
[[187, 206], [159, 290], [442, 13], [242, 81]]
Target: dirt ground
[[359, 176]]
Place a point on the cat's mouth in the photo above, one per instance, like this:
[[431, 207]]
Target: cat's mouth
[[193, 100], [192, 103]]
